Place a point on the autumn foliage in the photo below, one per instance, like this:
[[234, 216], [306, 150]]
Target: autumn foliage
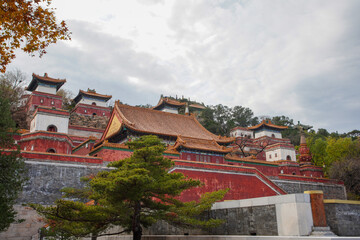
[[29, 25]]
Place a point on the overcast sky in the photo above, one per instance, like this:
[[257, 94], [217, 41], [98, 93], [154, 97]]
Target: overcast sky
[[296, 58]]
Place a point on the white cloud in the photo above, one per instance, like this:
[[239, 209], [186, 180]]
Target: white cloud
[[294, 58]]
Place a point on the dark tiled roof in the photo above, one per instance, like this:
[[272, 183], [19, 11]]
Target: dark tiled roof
[[46, 79], [168, 101], [268, 124], [92, 94]]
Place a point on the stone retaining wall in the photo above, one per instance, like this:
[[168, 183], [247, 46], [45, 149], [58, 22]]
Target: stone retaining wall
[[343, 217], [46, 179], [276, 215], [331, 191]]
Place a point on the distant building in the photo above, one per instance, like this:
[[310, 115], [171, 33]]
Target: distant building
[[169, 105], [43, 92], [91, 103]]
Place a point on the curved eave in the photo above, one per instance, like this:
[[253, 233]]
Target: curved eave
[[180, 142], [91, 95], [52, 81], [268, 125]]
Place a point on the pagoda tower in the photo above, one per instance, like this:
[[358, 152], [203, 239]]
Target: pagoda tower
[[307, 168], [43, 92], [305, 156], [91, 103]]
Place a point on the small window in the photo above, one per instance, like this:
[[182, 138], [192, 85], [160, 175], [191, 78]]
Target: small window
[[188, 157], [275, 154], [85, 111], [52, 128], [94, 114], [270, 156], [294, 173], [197, 157], [41, 100], [273, 135], [288, 157], [94, 104], [52, 102], [51, 150], [103, 114], [282, 171]]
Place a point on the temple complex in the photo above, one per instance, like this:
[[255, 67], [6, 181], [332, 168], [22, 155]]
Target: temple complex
[[252, 162]]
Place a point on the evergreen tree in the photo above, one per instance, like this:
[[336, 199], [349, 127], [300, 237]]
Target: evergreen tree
[[220, 119], [136, 194], [11, 167]]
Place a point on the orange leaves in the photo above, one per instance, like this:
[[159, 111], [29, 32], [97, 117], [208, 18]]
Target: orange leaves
[[29, 25]]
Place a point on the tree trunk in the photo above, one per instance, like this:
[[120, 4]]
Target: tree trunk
[[93, 236], [136, 227]]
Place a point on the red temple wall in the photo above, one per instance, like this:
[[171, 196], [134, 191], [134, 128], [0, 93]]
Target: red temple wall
[[90, 110], [240, 186], [294, 170], [84, 149], [60, 157], [261, 156], [111, 155], [312, 171], [43, 145], [201, 157], [35, 100], [267, 170]]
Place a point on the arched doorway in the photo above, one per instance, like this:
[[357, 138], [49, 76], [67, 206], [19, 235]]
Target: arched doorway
[[51, 150], [52, 128]]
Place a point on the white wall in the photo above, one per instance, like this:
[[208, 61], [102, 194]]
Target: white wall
[[241, 133], [46, 89], [84, 133], [293, 212], [281, 153], [41, 121], [267, 133], [89, 101], [170, 110]]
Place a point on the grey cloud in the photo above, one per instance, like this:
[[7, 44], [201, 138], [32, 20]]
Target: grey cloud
[[294, 58]]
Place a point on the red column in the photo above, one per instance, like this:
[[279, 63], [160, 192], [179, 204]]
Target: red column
[[317, 208]]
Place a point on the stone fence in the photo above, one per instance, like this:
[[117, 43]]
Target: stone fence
[[343, 217]]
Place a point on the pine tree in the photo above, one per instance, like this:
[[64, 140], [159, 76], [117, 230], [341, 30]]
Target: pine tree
[[12, 169], [138, 192]]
